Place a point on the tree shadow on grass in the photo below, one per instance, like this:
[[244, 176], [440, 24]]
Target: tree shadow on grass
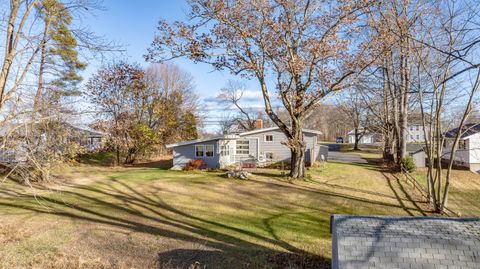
[[358, 190], [161, 164], [118, 204], [401, 190], [325, 193], [374, 165]]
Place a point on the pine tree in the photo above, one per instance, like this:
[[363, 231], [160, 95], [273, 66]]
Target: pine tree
[[59, 54]]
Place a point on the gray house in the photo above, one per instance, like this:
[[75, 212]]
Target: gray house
[[259, 147]]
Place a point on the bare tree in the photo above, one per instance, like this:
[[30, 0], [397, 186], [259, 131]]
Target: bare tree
[[429, 53], [448, 63], [18, 42], [355, 108], [232, 94], [330, 120], [41, 42], [301, 49], [395, 31]]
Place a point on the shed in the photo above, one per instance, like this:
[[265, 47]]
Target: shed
[[322, 154], [417, 151]]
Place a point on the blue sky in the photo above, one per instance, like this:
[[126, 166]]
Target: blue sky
[[133, 24]]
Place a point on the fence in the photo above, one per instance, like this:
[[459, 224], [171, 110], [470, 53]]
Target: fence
[[422, 190]]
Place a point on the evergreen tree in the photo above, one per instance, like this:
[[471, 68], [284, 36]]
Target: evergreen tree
[[59, 54]]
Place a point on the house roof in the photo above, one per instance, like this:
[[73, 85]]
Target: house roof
[[415, 147], [360, 129], [206, 139], [231, 136], [404, 242], [276, 128], [467, 130], [24, 128], [86, 130]]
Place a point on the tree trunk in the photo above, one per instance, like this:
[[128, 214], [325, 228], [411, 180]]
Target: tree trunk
[[11, 41], [297, 149], [297, 162], [403, 100], [357, 138], [118, 155], [9, 49], [38, 95]]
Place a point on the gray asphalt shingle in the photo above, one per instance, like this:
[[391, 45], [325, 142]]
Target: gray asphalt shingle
[[405, 242]]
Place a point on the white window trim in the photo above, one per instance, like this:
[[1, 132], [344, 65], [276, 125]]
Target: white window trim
[[195, 149], [224, 149], [243, 154], [462, 144], [265, 138], [213, 151]]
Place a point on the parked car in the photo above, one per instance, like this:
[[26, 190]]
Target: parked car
[[339, 139]]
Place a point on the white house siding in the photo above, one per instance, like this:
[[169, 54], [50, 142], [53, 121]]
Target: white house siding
[[312, 146], [366, 139], [461, 157], [183, 154], [229, 158], [415, 133], [474, 148], [252, 150]]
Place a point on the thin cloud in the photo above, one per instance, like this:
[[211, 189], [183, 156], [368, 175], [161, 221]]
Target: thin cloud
[[249, 96]]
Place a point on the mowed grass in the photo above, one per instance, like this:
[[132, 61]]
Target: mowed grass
[[464, 193], [152, 218]]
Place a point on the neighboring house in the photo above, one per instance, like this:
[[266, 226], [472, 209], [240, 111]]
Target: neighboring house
[[415, 133], [468, 150], [90, 140], [367, 138], [257, 147], [404, 242]]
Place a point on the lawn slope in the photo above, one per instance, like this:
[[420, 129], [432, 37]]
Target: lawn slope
[[153, 218]]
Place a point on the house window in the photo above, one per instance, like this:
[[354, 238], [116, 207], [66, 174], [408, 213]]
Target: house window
[[462, 144], [418, 127], [209, 150], [243, 147], [411, 128], [268, 138], [418, 137], [224, 150], [199, 150], [269, 156]]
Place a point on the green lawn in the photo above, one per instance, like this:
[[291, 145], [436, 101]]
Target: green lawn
[[151, 218], [464, 194]]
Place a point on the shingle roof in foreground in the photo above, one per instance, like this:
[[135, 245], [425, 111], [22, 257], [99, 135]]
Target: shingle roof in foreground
[[405, 242]]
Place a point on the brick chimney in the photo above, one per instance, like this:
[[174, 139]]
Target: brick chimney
[[259, 124]]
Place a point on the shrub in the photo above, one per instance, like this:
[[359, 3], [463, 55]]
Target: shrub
[[194, 165], [408, 164]]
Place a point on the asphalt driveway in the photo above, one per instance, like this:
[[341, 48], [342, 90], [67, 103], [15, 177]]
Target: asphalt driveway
[[334, 154]]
